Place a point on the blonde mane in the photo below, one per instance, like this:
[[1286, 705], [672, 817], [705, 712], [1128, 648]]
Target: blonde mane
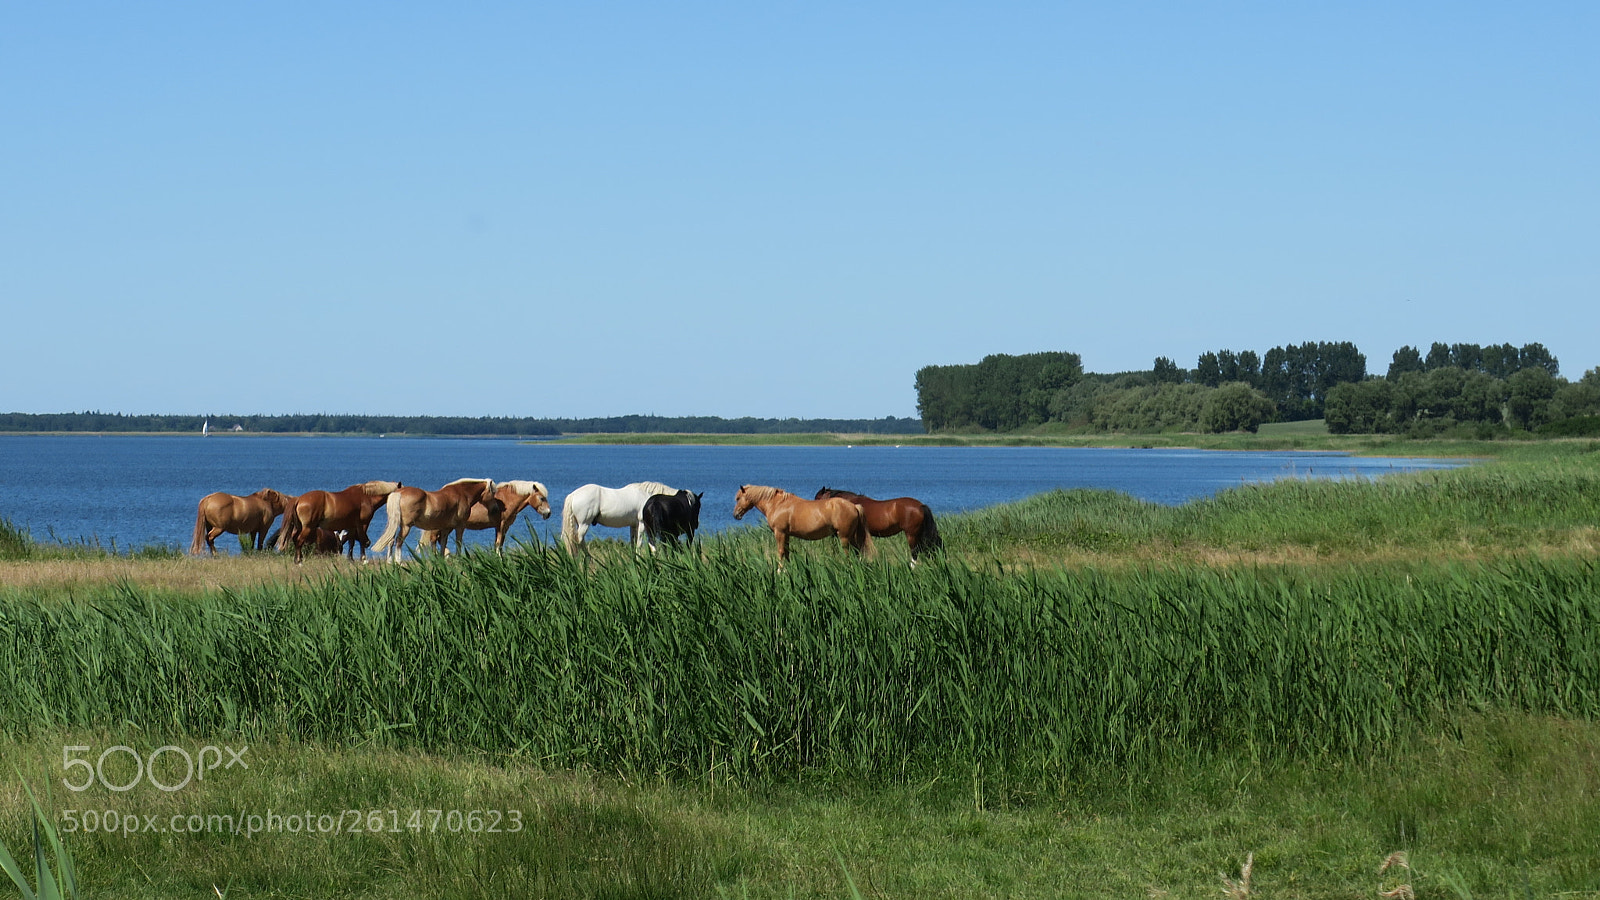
[[378, 488], [470, 481], [759, 493], [651, 487], [526, 488]]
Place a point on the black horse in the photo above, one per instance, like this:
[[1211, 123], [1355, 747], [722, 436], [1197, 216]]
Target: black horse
[[669, 515]]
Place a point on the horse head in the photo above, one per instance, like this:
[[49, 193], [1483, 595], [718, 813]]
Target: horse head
[[741, 503], [275, 500]]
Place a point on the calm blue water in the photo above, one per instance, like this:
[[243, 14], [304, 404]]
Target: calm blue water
[[132, 491]]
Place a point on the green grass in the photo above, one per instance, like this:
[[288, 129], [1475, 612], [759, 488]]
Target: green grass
[[1283, 436], [15, 543], [987, 724], [1278, 429], [803, 439], [675, 665], [1525, 503], [1498, 804]]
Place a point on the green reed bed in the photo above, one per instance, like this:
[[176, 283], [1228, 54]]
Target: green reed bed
[[1500, 506], [686, 666]]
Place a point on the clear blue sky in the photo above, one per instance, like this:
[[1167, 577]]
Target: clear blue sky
[[731, 209]]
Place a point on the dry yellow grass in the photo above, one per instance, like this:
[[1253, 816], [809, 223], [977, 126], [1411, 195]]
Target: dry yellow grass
[[186, 574]]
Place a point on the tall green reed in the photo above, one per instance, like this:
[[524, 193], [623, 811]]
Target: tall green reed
[[688, 665]]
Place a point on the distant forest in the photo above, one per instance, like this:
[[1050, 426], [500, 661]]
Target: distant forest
[[1455, 389], [443, 426]]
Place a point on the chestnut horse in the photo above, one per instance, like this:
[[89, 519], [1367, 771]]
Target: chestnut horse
[[349, 510], [886, 518], [809, 520], [252, 515], [510, 499], [444, 510]]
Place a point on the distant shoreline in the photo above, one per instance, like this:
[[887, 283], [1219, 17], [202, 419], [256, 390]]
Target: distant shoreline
[[1355, 445]]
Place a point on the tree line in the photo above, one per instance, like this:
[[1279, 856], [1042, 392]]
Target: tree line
[[443, 426], [1470, 390], [1501, 385]]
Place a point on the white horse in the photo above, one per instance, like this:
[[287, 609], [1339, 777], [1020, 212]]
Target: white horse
[[621, 507]]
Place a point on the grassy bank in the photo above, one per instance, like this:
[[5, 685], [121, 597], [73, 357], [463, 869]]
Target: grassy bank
[[1500, 805], [676, 666], [1087, 695], [1286, 438]]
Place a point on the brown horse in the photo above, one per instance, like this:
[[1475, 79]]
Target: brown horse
[[809, 520], [252, 515], [886, 518], [444, 510], [510, 499], [349, 510]]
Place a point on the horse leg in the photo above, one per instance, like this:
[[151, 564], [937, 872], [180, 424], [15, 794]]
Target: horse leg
[[397, 551], [782, 537]]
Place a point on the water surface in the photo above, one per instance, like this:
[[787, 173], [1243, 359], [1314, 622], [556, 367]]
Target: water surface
[[128, 491]]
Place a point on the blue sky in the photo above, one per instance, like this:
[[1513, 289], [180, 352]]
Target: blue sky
[[770, 210]]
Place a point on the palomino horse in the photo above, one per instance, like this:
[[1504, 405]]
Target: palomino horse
[[621, 507], [348, 510], [890, 517], [511, 498], [444, 510], [669, 515], [809, 520], [252, 515]]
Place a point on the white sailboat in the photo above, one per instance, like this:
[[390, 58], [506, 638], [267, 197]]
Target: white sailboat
[[205, 428]]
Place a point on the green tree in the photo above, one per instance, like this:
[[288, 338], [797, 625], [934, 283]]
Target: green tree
[[1580, 398], [1361, 407], [1406, 359], [1166, 371], [1529, 394], [1235, 406]]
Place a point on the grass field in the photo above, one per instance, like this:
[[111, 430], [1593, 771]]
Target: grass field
[[1087, 696]]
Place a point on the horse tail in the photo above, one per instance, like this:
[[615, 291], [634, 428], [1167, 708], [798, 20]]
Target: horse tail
[[199, 529], [929, 539], [291, 525], [569, 525], [862, 537], [391, 527]]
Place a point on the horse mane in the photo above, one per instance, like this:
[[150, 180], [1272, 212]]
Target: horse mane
[[470, 481], [652, 487], [525, 488], [760, 492], [377, 488]]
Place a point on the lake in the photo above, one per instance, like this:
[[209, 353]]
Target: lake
[[130, 491]]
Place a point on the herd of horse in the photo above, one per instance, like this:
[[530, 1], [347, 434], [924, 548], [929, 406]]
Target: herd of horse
[[653, 513]]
